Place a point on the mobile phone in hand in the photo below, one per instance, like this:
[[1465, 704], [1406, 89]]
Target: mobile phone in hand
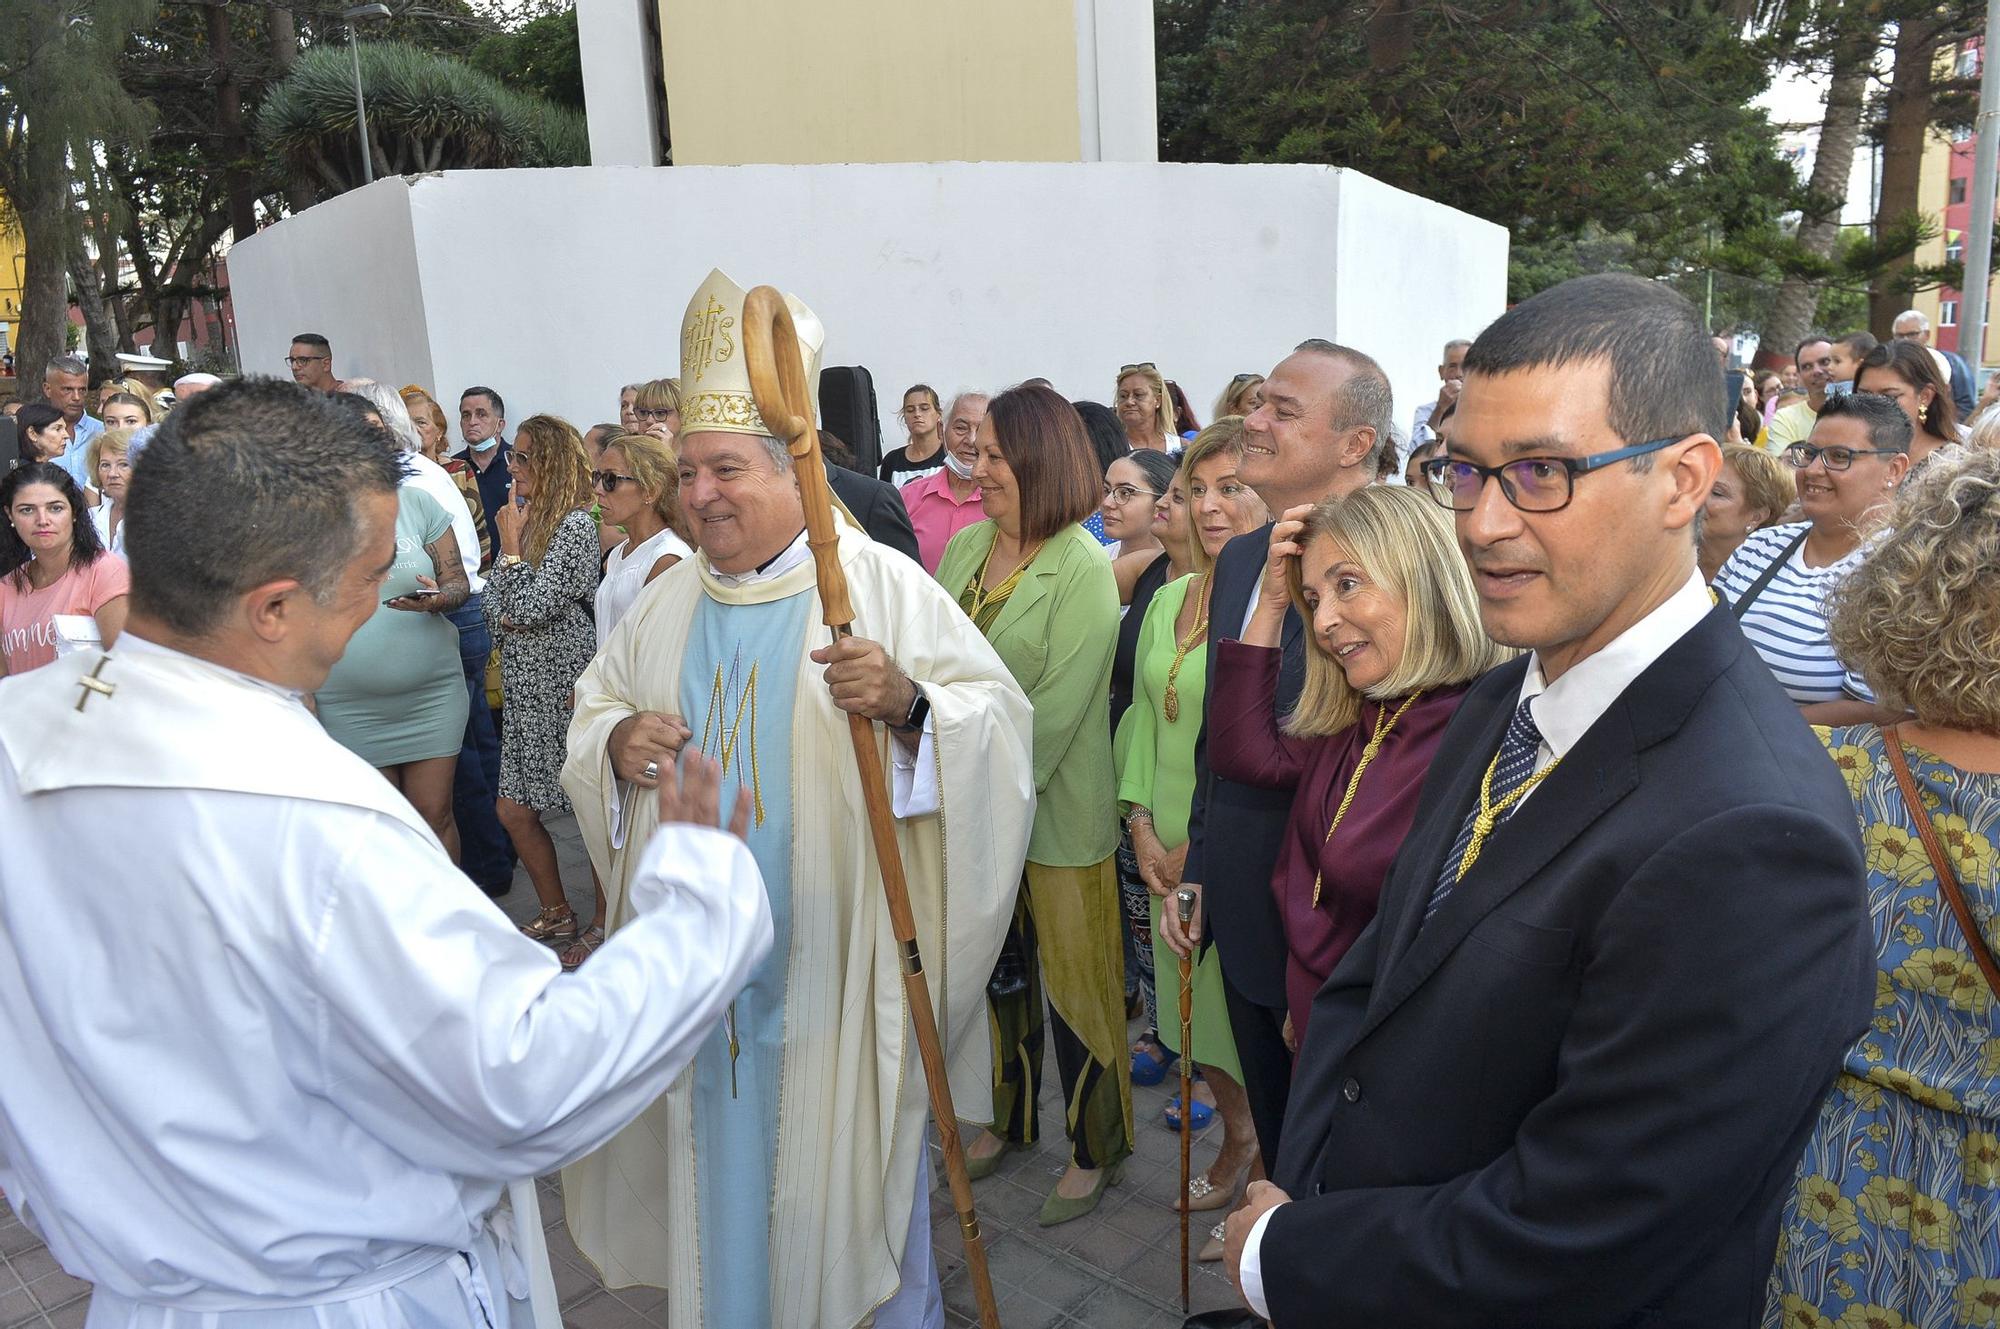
[[422, 592]]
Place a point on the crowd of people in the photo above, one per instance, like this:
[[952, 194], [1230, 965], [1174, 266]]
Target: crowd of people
[[1547, 964]]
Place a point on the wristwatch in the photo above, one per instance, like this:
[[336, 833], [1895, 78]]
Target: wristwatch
[[509, 560], [920, 710]]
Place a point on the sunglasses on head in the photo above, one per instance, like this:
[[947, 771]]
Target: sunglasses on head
[[1142, 366]]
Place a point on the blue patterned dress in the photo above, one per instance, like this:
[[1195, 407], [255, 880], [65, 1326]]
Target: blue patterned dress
[[1895, 1219]]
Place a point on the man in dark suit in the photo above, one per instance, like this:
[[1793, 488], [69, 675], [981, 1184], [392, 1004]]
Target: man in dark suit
[[871, 502], [1323, 424], [1565, 1075]]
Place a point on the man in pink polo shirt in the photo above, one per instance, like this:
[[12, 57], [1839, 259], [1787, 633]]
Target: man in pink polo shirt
[[946, 501]]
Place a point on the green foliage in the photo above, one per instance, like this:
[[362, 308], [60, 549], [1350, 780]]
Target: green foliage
[[542, 58], [426, 112], [1563, 120]]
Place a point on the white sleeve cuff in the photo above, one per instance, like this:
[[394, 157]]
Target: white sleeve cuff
[[915, 775], [1250, 1272]]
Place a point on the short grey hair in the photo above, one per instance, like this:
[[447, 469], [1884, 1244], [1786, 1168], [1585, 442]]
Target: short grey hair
[[1923, 322], [781, 452], [66, 364], [389, 405], [1457, 344], [1364, 399], [197, 377], [965, 395]]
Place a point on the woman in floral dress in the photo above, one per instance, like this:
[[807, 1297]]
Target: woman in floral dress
[[1895, 1221]]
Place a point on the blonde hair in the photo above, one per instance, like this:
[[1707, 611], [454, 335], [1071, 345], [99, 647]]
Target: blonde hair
[[1231, 400], [1163, 404], [1405, 543], [659, 394], [656, 468], [1985, 430], [1768, 483], [1224, 436], [126, 398], [107, 440], [1919, 617], [562, 480]]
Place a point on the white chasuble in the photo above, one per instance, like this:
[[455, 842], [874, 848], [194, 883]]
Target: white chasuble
[[817, 1161], [269, 1058]]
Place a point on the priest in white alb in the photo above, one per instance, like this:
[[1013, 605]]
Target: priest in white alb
[[267, 1058], [781, 1180]]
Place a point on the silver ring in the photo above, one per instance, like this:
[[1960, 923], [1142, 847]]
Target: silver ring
[[652, 771]]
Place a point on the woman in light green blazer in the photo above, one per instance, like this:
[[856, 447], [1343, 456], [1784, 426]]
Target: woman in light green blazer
[[1040, 588]]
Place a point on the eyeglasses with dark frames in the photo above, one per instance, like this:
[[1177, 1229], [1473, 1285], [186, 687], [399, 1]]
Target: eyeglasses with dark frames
[[654, 413], [296, 360], [1531, 484], [1835, 458]]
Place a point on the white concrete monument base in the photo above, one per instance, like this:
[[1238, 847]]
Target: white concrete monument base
[[556, 286]]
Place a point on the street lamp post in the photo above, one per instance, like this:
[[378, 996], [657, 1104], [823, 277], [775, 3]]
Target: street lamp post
[[360, 103]]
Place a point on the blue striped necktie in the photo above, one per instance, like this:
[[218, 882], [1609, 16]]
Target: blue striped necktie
[[1513, 767]]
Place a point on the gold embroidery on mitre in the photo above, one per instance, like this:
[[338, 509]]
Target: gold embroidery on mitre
[[715, 381]]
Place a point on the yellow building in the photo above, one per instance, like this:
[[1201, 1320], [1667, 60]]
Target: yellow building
[[13, 258]]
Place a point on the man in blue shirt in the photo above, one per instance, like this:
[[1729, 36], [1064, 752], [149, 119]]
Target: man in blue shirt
[[66, 384]]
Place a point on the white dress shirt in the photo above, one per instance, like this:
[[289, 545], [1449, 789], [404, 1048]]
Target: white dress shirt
[[1564, 711]]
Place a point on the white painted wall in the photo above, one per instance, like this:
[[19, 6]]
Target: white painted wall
[[557, 286], [346, 269], [1116, 92], [620, 88], [1401, 277]]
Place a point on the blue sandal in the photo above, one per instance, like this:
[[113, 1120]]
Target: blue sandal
[[1199, 1118], [1150, 1067]]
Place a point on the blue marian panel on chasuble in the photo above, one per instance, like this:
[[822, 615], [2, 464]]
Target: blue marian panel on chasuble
[[738, 680]]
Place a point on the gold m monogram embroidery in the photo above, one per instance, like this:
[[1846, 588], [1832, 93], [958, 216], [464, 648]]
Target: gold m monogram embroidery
[[705, 339], [727, 733]]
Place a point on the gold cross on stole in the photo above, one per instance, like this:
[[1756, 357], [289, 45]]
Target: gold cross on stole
[[92, 685]]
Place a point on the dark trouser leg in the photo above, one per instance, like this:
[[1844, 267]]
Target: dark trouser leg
[[485, 852], [1267, 1066], [1138, 911], [1077, 913], [1016, 1015]]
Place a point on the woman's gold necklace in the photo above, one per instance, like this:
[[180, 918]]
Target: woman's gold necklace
[[981, 593], [1170, 704], [1375, 741]]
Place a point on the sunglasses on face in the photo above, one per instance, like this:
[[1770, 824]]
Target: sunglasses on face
[[609, 481]]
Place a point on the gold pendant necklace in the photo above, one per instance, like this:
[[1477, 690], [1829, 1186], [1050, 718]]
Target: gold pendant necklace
[[1170, 704], [1490, 812], [1382, 728], [981, 593]]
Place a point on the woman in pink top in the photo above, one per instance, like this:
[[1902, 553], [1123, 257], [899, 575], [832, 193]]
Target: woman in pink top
[[52, 563]]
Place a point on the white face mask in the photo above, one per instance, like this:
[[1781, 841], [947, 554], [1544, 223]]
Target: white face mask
[[486, 446], [961, 469]]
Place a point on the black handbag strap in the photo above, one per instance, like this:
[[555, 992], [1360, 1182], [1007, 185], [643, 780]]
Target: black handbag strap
[[1756, 588]]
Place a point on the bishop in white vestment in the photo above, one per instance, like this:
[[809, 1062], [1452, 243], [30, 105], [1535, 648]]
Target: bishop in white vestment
[[267, 1058], [779, 1181]]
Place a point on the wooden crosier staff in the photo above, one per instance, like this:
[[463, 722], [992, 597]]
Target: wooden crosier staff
[[1184, 902], [778, 383]]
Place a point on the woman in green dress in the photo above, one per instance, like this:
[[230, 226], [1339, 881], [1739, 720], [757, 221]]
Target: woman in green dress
[[1040, 588], [397, 696], [1155, 750]]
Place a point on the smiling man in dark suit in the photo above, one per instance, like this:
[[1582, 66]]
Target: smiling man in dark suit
[[1564, 1077], [1323, 424]]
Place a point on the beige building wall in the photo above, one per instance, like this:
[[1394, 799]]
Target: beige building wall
[[872, 81]]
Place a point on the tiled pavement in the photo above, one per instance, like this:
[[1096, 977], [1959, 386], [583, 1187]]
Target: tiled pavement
[[1118, 1267]]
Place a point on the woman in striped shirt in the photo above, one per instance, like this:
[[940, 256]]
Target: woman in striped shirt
[[1779, 578]]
